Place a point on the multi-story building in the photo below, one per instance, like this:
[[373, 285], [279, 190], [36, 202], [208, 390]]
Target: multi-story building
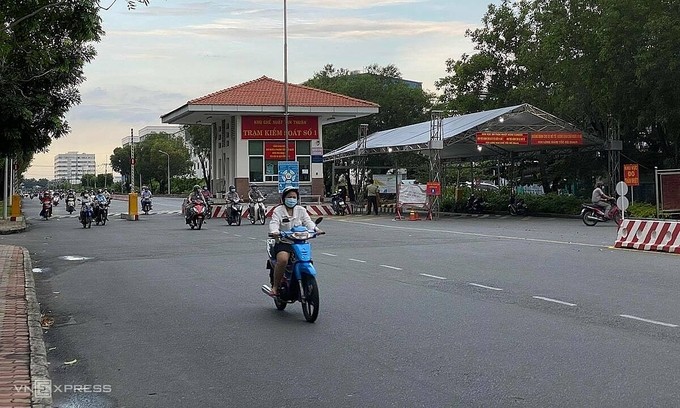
[[72, 166]]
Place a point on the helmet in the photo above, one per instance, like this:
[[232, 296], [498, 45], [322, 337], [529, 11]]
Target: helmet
[[232, 188], [100, 191], [197, 187], [253, 186], [288, 190], [145, 188], [205, 187], [600, 183]]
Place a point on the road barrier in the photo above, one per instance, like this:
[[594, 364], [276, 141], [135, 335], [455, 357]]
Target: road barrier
[[646, 235], [219, 211]]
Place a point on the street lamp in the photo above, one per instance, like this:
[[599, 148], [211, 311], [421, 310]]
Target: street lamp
[[168, 169]]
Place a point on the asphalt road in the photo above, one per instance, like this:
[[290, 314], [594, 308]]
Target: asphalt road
[[456, 312]]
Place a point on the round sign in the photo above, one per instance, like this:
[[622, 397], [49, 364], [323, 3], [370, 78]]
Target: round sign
[[621, 188], [622, 203]]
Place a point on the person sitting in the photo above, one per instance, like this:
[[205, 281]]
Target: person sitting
[[232, 195], [253, 195], [196, 197], [600, 199], [146, 196]]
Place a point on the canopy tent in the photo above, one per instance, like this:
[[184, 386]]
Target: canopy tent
[[514, 129]]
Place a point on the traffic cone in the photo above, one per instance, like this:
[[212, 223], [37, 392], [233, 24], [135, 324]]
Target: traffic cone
[[412, 216]]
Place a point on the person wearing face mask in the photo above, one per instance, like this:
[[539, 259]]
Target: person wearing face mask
[[285, 217]]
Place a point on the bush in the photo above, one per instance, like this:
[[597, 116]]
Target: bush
[[498, 202], [641, 210]]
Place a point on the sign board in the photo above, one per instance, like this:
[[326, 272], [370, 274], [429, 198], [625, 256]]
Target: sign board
[[277, 151], [387, 183], [621, 188], [412, 195], [670, 191], [289, 174], [502, 138], [317, 154], [272, 127], [631, 174], [556, 138], [434, 188]]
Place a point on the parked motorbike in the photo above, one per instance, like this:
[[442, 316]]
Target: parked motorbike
[[197, 213], [46, 211], [591, 214], [86, 214], [101, 213], [475, 205], [257, 211], [299, 280], [339, 204], [517, 206], [234, 212], [70, 204], [146, 205]]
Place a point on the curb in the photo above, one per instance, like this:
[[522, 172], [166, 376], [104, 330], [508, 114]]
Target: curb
[[39, 365], [20, 227]]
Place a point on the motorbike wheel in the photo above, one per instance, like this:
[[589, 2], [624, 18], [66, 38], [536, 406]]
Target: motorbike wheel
[[251, 216], [512, 210], [310, 306], [262, 216], [586, 220], [89, 223], [200, 223], [238, 219], [229, 220], [104, 218]]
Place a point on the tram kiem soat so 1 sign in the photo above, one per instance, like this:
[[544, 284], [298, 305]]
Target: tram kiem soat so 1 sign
[[532, 138], [273, 127]]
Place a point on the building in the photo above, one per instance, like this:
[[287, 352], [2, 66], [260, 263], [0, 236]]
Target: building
[[72, 166], [248, 139], [126, 140]]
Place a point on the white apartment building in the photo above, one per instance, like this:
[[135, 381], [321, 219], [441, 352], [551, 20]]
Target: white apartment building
[[72, 166]]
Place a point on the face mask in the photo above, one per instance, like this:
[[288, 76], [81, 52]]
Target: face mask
[[290, 202]]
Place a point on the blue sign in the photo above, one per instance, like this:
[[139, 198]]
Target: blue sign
[[289, 174]]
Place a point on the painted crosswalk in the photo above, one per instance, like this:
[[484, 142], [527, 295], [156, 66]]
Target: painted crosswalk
[[111, 215]]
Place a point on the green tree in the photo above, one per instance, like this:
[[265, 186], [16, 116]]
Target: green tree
[[200, 139], [88, 181]]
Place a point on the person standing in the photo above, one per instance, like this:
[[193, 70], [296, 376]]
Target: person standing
[[372, 197]]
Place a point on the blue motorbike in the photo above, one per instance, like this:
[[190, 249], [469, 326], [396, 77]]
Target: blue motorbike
[[299, 280]]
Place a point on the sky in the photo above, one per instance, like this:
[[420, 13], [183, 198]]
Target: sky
[[154, 59]]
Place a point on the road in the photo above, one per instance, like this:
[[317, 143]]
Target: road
[[495, 311]]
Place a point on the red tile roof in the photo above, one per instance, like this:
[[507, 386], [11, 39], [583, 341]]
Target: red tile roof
[[265, 91]]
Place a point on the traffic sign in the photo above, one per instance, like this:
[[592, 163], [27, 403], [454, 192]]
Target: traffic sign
[[621, 188], [631, 174], [622, 203]]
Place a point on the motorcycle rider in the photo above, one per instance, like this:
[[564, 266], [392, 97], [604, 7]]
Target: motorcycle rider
[[285, 217], [99, 200], [232, 195], [600, 199], [206, 193], [146, 195], [196, 197], [107, 195], [45, 199], [253, 195], [71, 196]]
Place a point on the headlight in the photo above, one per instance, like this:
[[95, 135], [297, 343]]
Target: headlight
[[301, 235]]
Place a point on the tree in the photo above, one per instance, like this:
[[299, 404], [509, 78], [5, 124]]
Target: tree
[[200, 138], [89, 181]]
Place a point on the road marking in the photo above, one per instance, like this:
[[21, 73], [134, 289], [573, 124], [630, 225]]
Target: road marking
[[225, 232], [327, 254], [484, 286], [474, 234], [252, 238], [649, 321], [237, 235], [554, 300], [391, 267], [432, 276], [357, 260]]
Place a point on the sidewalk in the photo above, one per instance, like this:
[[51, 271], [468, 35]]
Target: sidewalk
[[23, 359]]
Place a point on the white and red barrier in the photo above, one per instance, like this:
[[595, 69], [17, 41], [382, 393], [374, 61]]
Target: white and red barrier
[[219, 211], [662, 236]]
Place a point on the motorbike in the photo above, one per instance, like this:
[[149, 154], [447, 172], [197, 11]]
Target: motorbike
[[101, 213], [475, 205], [86, 214], [146, 205], [234, 212], [257, 211], [197, 214], [517, 206], [339, 204], [299, 280], [55, 200], [46, 211], [591, 214], [210, 208], [70, 204]]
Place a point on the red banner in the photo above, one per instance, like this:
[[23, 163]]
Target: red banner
[[277, 151], [631, 174], [502, 138], [272, 128], [670, 192], [557, 138]]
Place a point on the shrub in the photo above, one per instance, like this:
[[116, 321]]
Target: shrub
[[498, 202], [641, 210]]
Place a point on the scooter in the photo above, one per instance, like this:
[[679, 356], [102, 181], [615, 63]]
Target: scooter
[[517, 206], [299, 280], [101, 213], [146, 205], [86, 214], [475, 205], [234, 212], [257, 211], [197, 214], [70, 204], [339, 204], [591, 214], [46, 211], [55, 200]]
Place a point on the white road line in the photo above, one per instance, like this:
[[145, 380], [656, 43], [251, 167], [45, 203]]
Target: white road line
[[649, 321], [473, 234], [225, 232], [253, 238], [484, 286], [237, 235], [432, 276], [357, 260], [554, 300], [327, 254], [391, 267]]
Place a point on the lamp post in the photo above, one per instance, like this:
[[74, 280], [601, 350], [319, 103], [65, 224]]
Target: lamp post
[[168, 169]]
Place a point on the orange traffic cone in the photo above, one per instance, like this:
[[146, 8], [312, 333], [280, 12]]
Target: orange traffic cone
[[412, 216]]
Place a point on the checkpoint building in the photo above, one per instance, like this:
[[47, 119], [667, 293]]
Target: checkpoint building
[[247, 126]]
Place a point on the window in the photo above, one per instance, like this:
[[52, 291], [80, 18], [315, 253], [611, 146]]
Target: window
[[261, 169], [303, 152]]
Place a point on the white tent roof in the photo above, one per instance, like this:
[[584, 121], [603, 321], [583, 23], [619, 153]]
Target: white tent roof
[[459, 134]]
